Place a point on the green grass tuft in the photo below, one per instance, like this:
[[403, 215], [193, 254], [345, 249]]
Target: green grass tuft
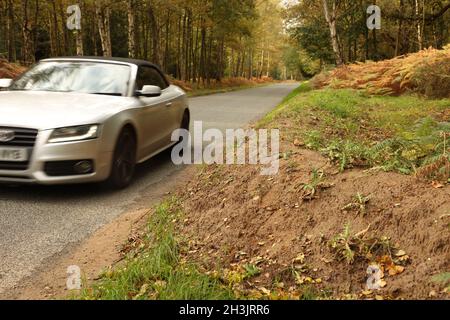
[[353, 128], [157, 272]]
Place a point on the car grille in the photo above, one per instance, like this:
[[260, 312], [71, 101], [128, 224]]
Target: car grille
[[25, 138]]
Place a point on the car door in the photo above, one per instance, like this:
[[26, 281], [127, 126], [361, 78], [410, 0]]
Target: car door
[[154, 119]]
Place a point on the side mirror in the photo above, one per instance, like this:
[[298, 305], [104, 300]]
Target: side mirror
[[149, 92], [5, 83]]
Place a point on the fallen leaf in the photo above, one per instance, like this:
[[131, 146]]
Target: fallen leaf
[[400, 253], [264, 291], [395, 270], [298, 143], [437, 185], [299, 259]]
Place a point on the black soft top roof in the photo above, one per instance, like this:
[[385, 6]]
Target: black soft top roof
[[124, 60]]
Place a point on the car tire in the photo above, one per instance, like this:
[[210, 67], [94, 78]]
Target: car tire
[[124, 161], [185, 123]]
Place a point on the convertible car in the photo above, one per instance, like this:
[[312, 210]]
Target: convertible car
[[79, 120]]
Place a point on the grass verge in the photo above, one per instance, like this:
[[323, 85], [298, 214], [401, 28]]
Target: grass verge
[[157, 270], [407, 134]]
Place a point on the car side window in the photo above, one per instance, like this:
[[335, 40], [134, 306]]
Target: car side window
[[149, 76]]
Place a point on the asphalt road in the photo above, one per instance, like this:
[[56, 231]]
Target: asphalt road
[[37, 223]]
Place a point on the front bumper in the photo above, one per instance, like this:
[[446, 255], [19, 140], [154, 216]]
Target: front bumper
[[43, 153]]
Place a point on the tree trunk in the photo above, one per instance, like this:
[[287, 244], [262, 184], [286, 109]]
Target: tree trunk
[[79, 35], [27, 50], [399, 32], [131, 29], [11, 34], [103, 13], [331, 20], [419, 25], [155, 35]]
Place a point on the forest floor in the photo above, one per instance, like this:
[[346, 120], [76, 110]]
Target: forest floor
[[225, 85], [363, 182]]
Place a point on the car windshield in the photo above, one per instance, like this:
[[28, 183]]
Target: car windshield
[[81, 77]]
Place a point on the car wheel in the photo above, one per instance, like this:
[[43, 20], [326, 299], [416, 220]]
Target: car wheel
[[186, 121], [124, 161]]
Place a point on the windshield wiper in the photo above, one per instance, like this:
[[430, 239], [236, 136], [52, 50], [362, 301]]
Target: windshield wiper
[[108, 94]]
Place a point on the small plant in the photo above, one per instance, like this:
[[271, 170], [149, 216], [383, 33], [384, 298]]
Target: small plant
[[316, 183], [359, 204], [345, 244], [346, 154], [349, 246], [313, 140], [443, 279], [158, 270], [437, 166], [251, 271]]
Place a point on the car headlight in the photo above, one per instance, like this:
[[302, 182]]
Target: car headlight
[[77, 133]]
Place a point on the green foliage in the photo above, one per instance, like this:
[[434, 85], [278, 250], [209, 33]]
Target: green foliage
[[443, 279], [350, 246], [344, 245], [422, 145], [343, 105], [303, 88], [359, 204], [317, 177], [346, 153], [308, 28], [157, 272], [313, 139], [351, 128], [251, 271]]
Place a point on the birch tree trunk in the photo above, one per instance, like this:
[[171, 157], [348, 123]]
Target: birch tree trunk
[[79, 35], [331, 20], [419, 25], [103, 13]]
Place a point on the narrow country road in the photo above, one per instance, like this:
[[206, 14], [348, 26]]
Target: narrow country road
[[37, 223]]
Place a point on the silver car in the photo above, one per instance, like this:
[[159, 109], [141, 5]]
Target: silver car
[[79, 120]]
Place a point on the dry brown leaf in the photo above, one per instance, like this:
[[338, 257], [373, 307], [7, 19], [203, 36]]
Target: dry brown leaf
[[437, 185]]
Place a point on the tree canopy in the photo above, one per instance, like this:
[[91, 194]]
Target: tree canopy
[[202, 40]]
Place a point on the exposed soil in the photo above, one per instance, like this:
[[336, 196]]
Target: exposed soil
[[236, 215]]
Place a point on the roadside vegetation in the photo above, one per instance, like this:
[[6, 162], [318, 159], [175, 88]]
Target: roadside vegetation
[[406, 134], [363, 186], [156, 268], [353, 127]]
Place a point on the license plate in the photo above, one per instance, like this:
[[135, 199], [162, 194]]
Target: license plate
[[13, 154]]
